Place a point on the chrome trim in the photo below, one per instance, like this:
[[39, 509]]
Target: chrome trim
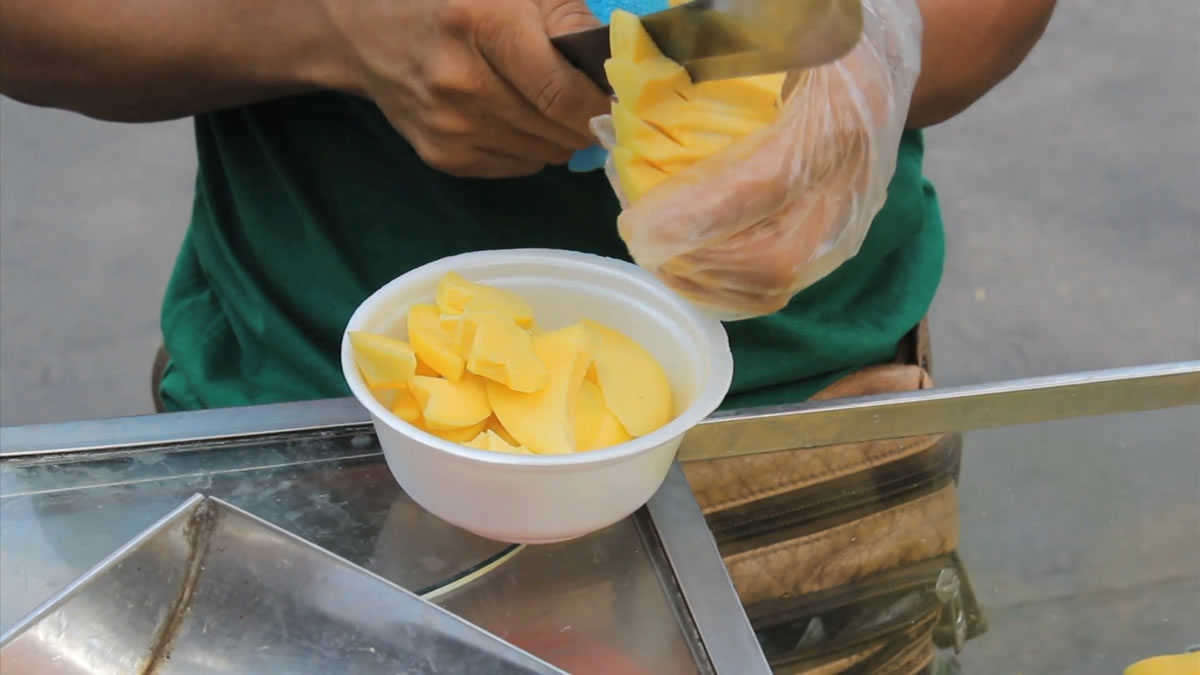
[[913, 413], [703, 580], [181, 427]]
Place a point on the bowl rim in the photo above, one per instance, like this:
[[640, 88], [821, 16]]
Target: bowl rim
[[710, 396]]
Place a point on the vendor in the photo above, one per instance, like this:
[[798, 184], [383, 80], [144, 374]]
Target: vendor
[[342, 143]]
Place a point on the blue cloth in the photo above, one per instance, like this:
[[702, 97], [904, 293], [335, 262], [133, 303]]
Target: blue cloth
[[590, 159]]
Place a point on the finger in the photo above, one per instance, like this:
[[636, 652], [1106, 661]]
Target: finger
[[468, 98], [463, 159], [520, 51], [493, 165], [566, 16], [515, 142], [505, 103]]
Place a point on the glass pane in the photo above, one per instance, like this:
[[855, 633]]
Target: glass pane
[[569, 603], [1082, 541]]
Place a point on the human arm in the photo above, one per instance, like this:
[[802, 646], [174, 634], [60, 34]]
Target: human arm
[[970, 46], [474, 85]]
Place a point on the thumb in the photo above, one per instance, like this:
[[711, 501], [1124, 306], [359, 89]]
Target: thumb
[[566, 16]]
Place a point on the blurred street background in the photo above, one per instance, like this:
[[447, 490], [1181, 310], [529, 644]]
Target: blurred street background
[[1072, 199]]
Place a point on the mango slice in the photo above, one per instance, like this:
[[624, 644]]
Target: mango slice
[[451, 404], [478, 371], [681, 122], [405, 406], [384, 362], [493, 424], [503, 352], [454, 293], [636, 174], [490, 440], [543, 421], [634, 385], [458, 435], [629, 39], [595, 425], [430, 342]]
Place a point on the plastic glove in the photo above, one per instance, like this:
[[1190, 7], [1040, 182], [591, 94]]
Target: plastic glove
[[742, 231]]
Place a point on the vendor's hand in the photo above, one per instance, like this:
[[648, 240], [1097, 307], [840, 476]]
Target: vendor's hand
[[474, 85]]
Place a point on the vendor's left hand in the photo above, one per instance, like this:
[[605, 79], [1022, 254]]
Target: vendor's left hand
[[746, 229]]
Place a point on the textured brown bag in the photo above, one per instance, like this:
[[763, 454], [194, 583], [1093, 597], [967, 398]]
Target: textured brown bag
[[845, 556]]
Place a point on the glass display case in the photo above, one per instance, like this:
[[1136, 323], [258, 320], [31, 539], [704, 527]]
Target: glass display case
[[303, 487]]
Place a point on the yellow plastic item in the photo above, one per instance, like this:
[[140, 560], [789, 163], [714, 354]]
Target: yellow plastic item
[[1169, 664], [543, 421], [384, 362], [447, 404], [431, 343], [634, 384]]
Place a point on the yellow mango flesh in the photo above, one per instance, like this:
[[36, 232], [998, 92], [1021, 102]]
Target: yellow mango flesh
[[681, 122], [384, 362], [490, 440], [405, 406], [543, 421], [1187, 663], [483, 375], [503, 352], [595, 425], [493, 424], [454, 295], [458, 435], [431, 344], [634, 385], [451, 404]]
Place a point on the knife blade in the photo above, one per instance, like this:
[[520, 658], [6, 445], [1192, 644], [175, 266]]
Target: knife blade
[[720, 39], [942, 410]]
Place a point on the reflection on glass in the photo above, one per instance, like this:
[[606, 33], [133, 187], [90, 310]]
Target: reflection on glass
[[593, 605]]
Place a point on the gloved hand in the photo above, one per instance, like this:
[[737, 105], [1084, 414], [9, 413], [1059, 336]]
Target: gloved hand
[[742, 231]]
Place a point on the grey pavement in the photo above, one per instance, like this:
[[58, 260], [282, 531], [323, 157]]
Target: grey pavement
[[1072, 199]]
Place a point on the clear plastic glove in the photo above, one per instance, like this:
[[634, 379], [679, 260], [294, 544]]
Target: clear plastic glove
[[740, 232]]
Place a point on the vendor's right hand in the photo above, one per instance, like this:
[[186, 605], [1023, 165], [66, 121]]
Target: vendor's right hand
[[474, 85]]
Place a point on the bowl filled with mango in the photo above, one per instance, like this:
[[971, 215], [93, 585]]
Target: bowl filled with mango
[[532, 395]]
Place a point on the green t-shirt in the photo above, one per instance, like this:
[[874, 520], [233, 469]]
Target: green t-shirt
[[305, 205]]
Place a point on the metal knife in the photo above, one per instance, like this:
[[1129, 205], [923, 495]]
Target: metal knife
[[720, 39], [939, 410]]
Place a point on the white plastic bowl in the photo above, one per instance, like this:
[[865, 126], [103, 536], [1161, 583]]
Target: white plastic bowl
[[543, 499]]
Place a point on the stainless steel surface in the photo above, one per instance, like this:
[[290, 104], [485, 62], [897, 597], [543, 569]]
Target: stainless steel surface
[[703, 579], [185, 427], [211, 588], [729, 433], [609, 595], [719, 39], [867, 418]]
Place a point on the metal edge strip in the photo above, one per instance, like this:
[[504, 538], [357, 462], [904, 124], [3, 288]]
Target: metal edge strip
[[724, 434], [201, 425], [943, 409], [707, 589]]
